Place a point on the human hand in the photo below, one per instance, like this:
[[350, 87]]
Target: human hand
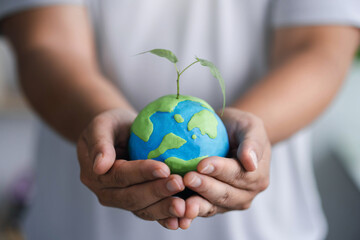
[[143, 187], [226, 184]]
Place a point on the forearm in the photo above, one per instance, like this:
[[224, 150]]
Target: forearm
[[57, 67], [65, 93], [299, 88]]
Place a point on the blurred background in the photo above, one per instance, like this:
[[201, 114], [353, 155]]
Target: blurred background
[[336, 145]]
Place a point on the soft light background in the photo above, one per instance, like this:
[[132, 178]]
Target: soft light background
[[336, 146]]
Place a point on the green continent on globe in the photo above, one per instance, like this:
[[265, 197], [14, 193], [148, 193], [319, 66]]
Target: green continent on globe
[[170, 141], [178, 118], [193, 136], [206, 122], [143, 127], [180, 166]]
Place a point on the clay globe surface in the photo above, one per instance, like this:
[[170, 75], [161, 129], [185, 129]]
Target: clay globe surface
[[180, 132]]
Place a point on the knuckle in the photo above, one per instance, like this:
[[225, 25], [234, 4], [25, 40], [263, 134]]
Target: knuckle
[[99, 120], [128, 202], [101, 179], [89, 133], [102, 201], [82, 139], [223, 199], [255, 120], [162, 222], [250, 144], [245, 206], [211, 211], [251, 178], [146, 215], [239, 175], [242, 122], [104, 197], [259, 121], [120, 180], [99, 145], [159, 192], [264, 184], [84, 179]]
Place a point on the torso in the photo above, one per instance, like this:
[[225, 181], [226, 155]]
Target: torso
[[231, 33]]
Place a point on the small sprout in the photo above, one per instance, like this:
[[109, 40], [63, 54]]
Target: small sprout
[[163, 53], [216, 73], [172, 58]]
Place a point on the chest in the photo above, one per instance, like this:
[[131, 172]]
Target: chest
[[231, 33]]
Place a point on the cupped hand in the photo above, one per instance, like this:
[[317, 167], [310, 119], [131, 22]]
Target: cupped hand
[[226, 184], [144, 187]]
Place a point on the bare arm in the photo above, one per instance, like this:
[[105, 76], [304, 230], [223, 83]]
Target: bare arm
[[60, 77], [309, 65], [58, 69]]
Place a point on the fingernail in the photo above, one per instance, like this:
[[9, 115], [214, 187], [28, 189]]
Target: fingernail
[[254, 158], [172, 211], [207, 169], [160, 173], [97, 159], [195, 182], [173, 186], [187, 223]]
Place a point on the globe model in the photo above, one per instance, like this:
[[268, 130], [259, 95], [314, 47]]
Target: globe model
[[180, 132]]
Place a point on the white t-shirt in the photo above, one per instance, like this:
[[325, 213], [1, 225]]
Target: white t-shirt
[[234, 35]]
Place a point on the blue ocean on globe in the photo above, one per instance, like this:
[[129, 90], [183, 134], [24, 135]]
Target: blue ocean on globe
[[197, 144]]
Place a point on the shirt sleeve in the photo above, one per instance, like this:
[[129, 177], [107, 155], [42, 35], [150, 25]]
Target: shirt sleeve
[[315, 12], [9, 7]]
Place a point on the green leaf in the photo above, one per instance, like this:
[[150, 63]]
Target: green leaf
[[216, 73], [163, 53]]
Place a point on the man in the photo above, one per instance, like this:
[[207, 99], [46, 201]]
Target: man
[[283, 62]]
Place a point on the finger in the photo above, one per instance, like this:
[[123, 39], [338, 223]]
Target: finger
[[83, 156], [197, 206], [170, 223], [252, 144], [217, 192], [248, 153], [166, 208], [99, 138], [143, 195], [126, 173], [184, 223], [228, 170]]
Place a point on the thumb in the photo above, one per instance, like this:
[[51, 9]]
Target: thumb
[[105, 155], [101, 145], [253, 141], [249, 155]]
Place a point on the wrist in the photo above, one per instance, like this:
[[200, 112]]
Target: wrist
[[243, 120]]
